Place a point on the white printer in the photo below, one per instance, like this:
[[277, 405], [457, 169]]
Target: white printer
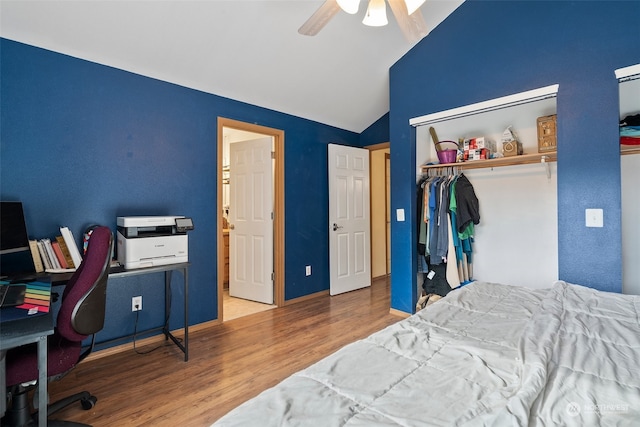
[[147, 241]]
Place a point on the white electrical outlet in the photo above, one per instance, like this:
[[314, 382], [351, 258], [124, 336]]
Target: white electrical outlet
[[136, 303], [308, 270]]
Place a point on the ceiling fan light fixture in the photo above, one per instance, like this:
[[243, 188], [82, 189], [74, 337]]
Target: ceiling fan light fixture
[[349, 6], [412, 5], [376, 15]]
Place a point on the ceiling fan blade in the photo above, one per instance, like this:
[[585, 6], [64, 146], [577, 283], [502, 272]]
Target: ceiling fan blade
[[319, 19], [413, 26]]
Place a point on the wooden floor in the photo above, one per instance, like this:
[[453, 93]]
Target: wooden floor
[[229, 363]]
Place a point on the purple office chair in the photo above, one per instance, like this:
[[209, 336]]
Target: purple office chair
[[81, 315]]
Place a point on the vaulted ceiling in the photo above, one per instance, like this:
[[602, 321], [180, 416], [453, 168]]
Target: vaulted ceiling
[[245, 50]]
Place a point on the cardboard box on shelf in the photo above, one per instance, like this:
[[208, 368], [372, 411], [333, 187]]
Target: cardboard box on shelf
[[477, 154], [479, 143], [511, 146], [547, 131]]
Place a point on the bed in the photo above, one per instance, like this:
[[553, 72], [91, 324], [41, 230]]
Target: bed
[[486, 354]]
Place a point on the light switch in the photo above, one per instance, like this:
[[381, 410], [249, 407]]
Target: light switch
[[594, 218], [400, 215]]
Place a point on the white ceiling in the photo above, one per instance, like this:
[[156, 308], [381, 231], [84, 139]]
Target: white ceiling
[[245, 50]]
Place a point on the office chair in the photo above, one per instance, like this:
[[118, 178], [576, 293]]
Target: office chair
[[81, 315]]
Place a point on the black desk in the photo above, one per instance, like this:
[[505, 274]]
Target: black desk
[[58, 279], [36, 329], [167, 269], [26, 331]]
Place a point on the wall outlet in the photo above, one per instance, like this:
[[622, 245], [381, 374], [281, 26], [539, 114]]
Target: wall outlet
[[308, 270], [136, 303]]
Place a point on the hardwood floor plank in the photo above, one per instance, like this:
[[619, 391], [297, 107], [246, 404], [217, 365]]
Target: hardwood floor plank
[[229, 362]]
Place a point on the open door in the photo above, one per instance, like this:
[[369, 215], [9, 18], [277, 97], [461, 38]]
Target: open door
[[251, 220], [349, 219]]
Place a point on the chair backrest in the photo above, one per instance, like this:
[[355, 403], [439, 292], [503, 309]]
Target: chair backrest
[[84, 298]]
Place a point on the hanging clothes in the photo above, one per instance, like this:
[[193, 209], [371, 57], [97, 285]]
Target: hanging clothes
[[434, 223], [453, 277], [468, 205], [422, 192], [462, 241], [442, 245], [448, 210]]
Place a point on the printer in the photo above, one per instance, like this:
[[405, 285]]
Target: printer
[[147, 241]]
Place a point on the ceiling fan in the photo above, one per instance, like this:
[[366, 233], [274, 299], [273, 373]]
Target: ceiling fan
[[406, 12]]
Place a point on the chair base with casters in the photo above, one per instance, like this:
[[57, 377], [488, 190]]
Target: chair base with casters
[[19, 412]]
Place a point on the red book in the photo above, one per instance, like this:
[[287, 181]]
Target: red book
[[59, 254]]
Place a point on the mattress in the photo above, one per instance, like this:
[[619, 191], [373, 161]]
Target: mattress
[[487, 354]]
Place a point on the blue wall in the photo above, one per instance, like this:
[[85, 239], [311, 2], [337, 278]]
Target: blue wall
[[83, 143], [488, 49], [377, 132]]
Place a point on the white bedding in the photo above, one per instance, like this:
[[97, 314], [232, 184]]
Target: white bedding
[[486, 354]]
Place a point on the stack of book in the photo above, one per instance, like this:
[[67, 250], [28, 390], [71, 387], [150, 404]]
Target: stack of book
[[56, 255]]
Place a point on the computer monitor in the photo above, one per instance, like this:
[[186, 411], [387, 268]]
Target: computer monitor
[[15, 255], [13, 228]]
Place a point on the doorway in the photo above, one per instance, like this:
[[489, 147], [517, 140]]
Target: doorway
[[380, 211], [230, 131]]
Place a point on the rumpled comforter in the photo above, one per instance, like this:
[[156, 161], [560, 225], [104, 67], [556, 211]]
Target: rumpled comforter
[[487, 354]]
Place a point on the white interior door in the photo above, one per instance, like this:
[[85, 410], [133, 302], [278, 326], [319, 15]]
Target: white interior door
[[250, 220], [349, 219]]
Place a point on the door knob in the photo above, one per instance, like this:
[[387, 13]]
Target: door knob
[[336, 227], [232, 227]]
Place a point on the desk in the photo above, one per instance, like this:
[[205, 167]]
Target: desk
[[62, 278], [26, 331], [167, 269]]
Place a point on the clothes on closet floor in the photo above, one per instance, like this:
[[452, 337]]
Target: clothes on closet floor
[[448, 211]]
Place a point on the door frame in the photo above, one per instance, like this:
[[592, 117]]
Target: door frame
[[278, 232], [375, 147], [387, 212]]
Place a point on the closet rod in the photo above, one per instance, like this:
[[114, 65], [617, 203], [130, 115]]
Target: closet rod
[[441, 170]]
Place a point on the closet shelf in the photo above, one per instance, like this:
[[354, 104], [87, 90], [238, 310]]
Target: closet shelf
[[523, 159]]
